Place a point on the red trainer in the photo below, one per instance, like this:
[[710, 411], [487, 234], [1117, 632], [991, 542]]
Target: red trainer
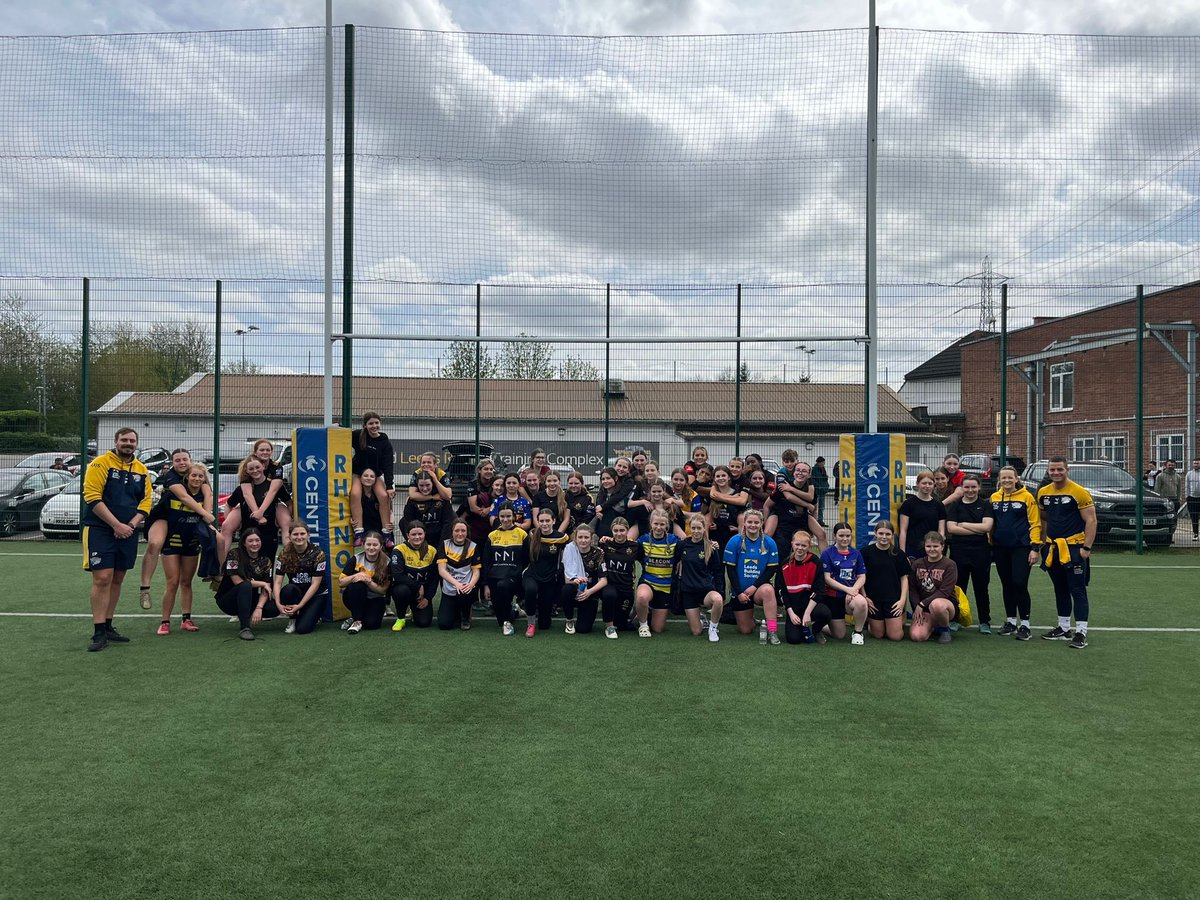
[[164, 628], [189, 625], [531, 630]]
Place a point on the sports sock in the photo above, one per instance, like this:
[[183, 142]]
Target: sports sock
[[1025, 622], [186, 616], [1081, 627], [108, 623], [98, 629], [145, 587], [1011, 620], [858, 631], [772, 625], [1064, 622], [358, 531]]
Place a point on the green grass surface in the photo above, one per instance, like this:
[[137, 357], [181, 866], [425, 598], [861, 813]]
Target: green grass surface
[[429, 764]]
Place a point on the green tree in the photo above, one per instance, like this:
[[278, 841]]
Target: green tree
[[726, 375], [459, 361], [527, 359], [575, 368]]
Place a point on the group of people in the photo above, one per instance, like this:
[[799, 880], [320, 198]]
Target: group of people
[[731, 543], [1183, 488]]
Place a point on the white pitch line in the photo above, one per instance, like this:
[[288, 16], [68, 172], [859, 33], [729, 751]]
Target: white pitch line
[[52, 615]]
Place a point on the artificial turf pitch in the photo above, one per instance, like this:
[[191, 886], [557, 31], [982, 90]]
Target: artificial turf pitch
[[431, 764]]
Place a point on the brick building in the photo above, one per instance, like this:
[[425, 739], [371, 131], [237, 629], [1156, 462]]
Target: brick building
[[1072, 383]]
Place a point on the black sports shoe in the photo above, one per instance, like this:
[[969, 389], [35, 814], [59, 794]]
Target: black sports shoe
[[1057, 634], [1079, 641], [1006, 629], [1023, 633], [98, 642], [114, 636]]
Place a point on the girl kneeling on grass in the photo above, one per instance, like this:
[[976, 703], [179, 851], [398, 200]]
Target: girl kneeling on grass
[[653, 598], [583, 568], [800, 581], [620, 559], [845, 575], [934, 579], [245, 590], [414, 577], [459, 565], [701, 579], [886, 588], [505, 556], [365, 581], [302, 599]]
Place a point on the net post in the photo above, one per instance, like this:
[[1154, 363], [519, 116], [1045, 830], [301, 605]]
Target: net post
[[327, 348], [607, 369], [871, 373], [348, 236]]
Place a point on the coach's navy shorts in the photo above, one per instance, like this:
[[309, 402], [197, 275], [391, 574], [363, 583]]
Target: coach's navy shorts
[[102, 550]]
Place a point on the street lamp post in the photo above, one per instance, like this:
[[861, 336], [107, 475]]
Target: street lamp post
[[808, 352], [242, 332]]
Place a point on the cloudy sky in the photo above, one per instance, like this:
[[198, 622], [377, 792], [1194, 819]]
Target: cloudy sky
[[545, 167]]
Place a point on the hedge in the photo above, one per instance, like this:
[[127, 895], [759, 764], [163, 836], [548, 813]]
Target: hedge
[[20, 420], [37, 442]]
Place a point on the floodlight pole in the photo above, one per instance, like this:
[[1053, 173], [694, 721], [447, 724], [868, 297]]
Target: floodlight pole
[[327, 378], [871, 375]]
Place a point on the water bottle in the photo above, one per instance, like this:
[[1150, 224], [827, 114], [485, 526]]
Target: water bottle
[[807, 634]]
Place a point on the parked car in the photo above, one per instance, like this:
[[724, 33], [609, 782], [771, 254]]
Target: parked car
[[60, 516], [911, 471], [23, 493], [1114, 492], [226, 484], [46, 461], [154, 458], [987, 468]]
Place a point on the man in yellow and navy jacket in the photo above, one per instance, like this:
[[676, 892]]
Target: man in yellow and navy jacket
[[1068, 530], [116, 489]]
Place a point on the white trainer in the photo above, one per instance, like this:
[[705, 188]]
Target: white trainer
[[291, 627], [570, 627], [508, 629], [611, 632], [713, 634]]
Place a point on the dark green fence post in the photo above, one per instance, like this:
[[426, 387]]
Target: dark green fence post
[[217, 392], [348, 238], [1004, 375], [1140, 419], [478, 362], [737, 380], [85, 380], [607, 369]]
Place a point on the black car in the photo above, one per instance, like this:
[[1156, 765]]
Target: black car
[[1113, 491], [23, 494], [460, 465], [987, 468]]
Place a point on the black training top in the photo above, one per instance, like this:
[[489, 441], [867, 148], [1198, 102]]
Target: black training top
[[377, 455], [885, 570]]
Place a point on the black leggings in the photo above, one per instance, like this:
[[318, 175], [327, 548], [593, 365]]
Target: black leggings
[[455, 609], [975, 566], [240, 600], [821, 617], [310, 613], [1012, 565], [540, 597], [365, 606], [582, 611], [404, 595], [1193, 505], [617, 607], [503, 592]]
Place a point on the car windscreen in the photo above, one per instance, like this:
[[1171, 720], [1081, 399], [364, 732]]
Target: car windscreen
[[9, 480], [72, 486], [1102, 478]]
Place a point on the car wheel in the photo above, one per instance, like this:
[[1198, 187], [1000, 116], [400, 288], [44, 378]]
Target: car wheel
[[8, 524]]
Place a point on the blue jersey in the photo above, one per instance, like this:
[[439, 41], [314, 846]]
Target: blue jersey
[[750, 561], [844, 568], [658, 561]]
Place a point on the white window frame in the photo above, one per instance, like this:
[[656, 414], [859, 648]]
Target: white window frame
[[1062, 375], [1170, 446], [1083, 448], [1110, 444]]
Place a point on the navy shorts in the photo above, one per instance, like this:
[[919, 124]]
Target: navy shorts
[[102, 550], [659, 599], [692, 599]]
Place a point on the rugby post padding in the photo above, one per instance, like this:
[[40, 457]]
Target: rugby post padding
[[870, 482], [321, 480]]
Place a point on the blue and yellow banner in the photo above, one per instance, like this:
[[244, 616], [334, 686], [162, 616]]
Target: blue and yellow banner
[[870, 482], [321, 481]]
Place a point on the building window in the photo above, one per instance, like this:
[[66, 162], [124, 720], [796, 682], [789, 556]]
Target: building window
[[1083, 449], [1062, 387], [1168, 446], [1112, 449]]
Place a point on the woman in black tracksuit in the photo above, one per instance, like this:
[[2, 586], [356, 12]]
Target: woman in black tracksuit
[[505, 556], [700, 578], [373, 450], [620, 564]]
